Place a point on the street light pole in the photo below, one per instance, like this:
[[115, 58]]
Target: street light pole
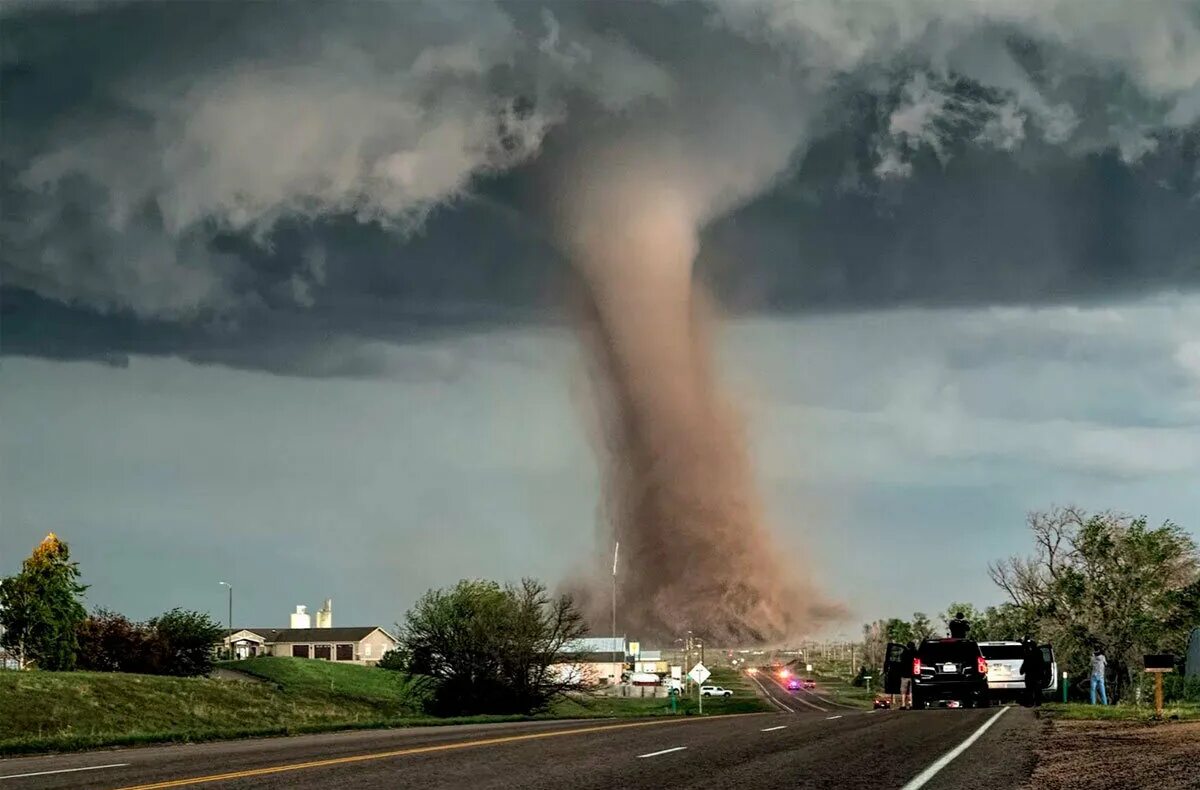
[[230, 586]]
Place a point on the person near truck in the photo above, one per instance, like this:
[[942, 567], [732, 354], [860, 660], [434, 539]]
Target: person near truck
[[1099, 666], [1034, 670], [959, 626], [906, 674]]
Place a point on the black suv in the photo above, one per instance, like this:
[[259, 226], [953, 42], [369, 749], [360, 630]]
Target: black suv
[[949, 669]]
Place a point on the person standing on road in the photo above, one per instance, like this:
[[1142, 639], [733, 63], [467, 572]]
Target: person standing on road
[[1034, 670], [906, 674], [959, 626], [1099, 666]]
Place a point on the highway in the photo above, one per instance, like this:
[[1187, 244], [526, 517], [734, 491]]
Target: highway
[[807, 748]]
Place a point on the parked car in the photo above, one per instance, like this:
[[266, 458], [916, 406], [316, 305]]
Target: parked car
[[715, 691], [1004, 660], [949, 669], [809, 683]]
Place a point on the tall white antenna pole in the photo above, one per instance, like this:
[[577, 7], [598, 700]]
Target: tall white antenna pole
[[616, 550]]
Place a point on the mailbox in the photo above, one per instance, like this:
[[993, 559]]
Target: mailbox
[[1159, 662]]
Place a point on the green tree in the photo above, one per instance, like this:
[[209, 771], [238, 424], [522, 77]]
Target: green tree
[[186, 642], [899, 631], [920, 626], [973, 616], [40, 608], [488, 648], [1105, 580]]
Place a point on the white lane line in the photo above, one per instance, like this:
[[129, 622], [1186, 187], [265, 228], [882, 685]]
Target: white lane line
[[771, 697], [664, 751], [772, 729], [831, 718], [64, 771], [945, 759]]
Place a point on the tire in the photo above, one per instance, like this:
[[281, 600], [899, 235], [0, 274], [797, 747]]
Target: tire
[[917, 702]]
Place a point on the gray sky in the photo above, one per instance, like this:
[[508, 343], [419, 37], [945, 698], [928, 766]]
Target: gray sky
[[281, 301]]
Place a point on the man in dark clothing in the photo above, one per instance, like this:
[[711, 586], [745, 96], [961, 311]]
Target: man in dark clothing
[[959, 626], [1034, 669]]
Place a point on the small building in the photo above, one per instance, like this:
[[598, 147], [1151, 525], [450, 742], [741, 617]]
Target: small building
[[353, 644], [1192, 666], [650, 661], [593, 661]]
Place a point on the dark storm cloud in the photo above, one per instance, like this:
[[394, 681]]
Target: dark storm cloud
[[236, 184]]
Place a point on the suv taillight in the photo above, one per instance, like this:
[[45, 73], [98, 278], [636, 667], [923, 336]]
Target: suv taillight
[[916, 667], [981, 665]]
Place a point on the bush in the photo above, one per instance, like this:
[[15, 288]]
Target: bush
[[394, 660], [111, 642], [186, 640], [177, 643], [490, 649]]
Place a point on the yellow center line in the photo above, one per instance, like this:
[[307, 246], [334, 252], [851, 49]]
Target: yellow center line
[[444, 747]]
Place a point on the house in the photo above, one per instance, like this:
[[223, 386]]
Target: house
[[354, 644], [593, 661]]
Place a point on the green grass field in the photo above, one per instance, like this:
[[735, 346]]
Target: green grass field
[[1181, 711], [65, 711], [42, 711]]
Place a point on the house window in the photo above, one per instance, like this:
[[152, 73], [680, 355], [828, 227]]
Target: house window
[[323, 652], [367, 650], [299, 651], [345, 652]]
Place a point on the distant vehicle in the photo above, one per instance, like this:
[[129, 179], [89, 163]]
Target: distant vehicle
[[644, 679], [794, 684], [882, 702], [673, 684], [1005, 679], [715, 691], [949, 669], [809, 683]]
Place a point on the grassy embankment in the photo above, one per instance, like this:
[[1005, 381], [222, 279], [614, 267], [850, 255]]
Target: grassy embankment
[[1172, 711], [63, 711]]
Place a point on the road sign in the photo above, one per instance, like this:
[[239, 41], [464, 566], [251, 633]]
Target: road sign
[[699, 673], [808, 667], [635, 649]]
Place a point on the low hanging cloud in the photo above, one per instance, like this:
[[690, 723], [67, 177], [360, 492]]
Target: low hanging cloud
[[188, 163]]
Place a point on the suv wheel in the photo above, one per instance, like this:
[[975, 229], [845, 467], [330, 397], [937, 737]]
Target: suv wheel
[[917, 702]]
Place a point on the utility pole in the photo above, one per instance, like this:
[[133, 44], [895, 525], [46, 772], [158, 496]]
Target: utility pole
[[616, 549], [230, 637]]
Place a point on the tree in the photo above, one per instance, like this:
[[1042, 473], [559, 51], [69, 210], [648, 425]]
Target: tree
[[973, 616], [40, 608], [921, 627], [1105, 580], [111, 642], [186, 640], [490, 649]]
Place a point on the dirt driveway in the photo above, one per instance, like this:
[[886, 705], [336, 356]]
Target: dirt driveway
[[1090, 755]]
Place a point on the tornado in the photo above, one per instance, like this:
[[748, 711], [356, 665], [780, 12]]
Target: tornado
[[678, 489]]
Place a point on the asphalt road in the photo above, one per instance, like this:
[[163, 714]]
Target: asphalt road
[[815, 749]]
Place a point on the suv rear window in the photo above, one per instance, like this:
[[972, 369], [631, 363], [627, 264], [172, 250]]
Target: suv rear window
[[959, 652], [1002, 652]]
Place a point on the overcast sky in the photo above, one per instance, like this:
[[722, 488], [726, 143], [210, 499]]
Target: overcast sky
[[281, 303]]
